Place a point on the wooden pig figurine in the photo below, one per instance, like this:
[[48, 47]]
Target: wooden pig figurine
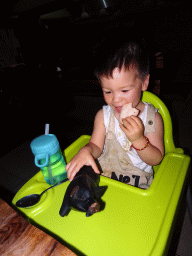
[[82, 192]]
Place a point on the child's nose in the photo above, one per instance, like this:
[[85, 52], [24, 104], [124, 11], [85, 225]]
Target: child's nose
[[116, 97]]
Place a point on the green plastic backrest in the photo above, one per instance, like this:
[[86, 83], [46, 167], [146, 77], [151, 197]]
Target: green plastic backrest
[[168, 131]]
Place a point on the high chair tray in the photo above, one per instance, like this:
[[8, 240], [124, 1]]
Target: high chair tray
[[133, 221]]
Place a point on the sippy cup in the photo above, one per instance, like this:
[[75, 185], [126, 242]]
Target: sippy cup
[[49, 158]]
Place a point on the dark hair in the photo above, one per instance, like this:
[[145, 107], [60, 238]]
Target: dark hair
[[110, 54]]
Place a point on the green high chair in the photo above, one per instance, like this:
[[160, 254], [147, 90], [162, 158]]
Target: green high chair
[[132, 221]]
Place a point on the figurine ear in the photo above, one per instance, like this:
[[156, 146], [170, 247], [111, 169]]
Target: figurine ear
[[99, 191], [95, 207], [64, 208]]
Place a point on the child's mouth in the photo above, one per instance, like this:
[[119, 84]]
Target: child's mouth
[[118, 109]]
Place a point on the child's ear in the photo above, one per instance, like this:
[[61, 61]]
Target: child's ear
[[145, 83]]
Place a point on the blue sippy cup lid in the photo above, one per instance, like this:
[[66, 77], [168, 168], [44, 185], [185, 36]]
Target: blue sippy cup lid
[[45, 145]]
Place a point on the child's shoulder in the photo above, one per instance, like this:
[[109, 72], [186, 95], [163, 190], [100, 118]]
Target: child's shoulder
[[103, 115], [158, 118], [158, 126], [99, 126], [99, 114], [104, 112], [99, 117], [152, 118]]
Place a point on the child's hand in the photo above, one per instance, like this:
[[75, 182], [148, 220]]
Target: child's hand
[[83, 157], [133, 128]]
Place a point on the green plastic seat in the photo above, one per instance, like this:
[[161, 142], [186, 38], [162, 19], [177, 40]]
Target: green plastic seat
[[132, 221]]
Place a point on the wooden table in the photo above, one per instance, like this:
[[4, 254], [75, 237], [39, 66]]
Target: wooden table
[[19, 237]]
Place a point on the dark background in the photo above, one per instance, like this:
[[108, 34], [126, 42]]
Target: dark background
[[46, 60]]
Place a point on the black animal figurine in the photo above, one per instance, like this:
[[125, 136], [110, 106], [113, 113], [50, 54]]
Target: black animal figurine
[[82, 192]]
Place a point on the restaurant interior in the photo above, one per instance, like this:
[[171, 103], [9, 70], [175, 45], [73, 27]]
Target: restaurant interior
[[46, 71]]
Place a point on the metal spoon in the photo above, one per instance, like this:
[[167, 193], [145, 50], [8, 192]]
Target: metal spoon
[[33, 199]]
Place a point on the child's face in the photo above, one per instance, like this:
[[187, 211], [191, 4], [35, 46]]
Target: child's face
[[123, 87]]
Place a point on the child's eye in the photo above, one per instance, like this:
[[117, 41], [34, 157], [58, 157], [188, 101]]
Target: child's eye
[[125, 91], [107, 92]]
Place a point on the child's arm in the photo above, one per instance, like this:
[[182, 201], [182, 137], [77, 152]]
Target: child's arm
[[134, 130], [91, 151]]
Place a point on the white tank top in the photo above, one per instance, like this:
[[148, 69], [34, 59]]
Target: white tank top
[[122, 139]]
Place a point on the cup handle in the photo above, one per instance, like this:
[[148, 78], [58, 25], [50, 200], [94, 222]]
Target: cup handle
[[39, 157]]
